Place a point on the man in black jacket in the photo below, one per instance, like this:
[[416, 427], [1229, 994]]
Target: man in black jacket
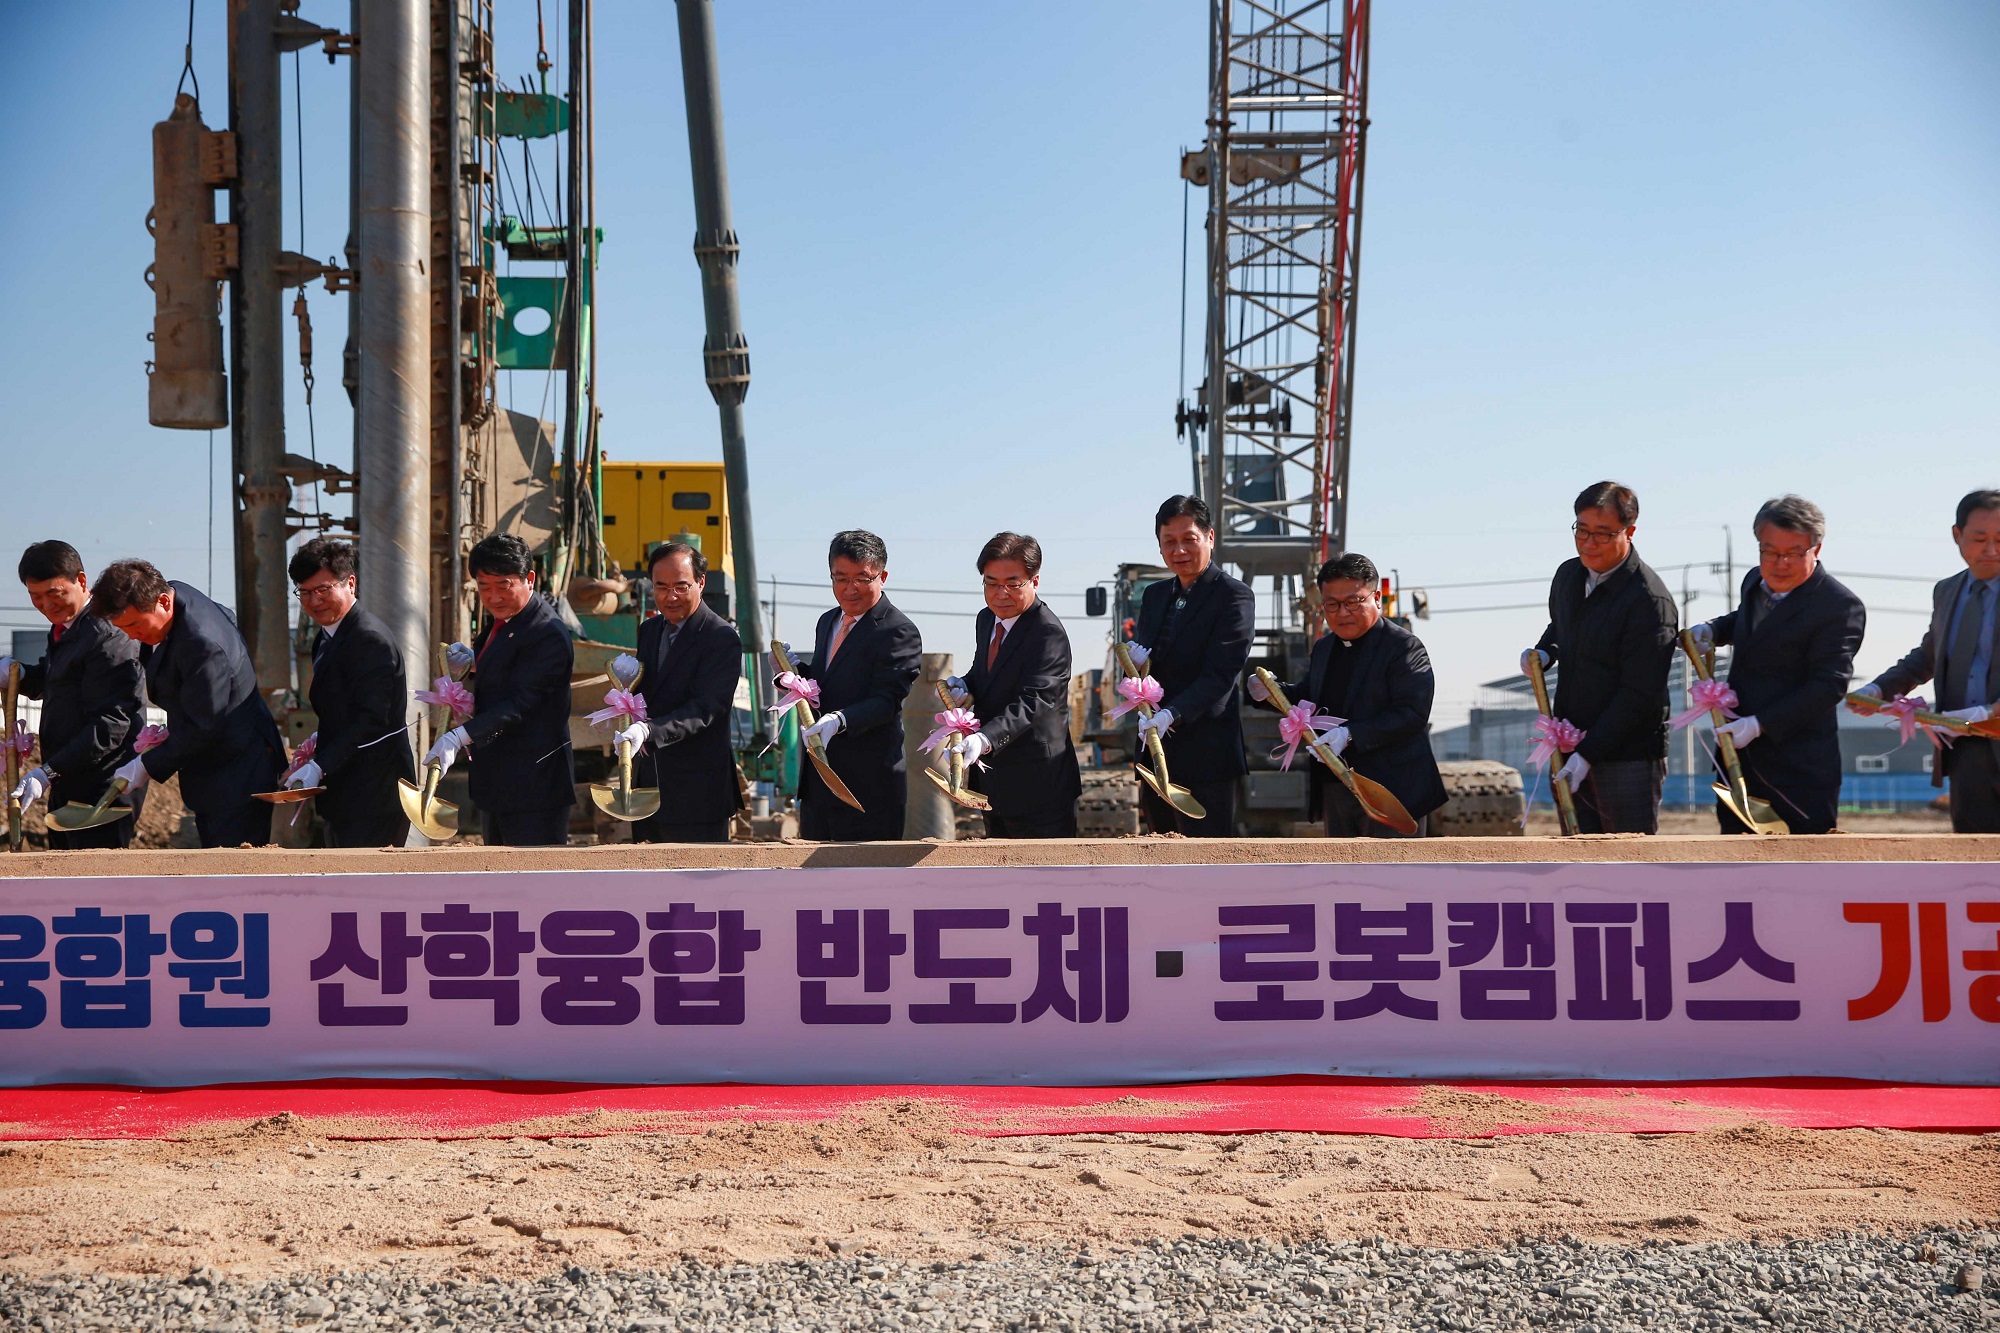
[[1196, 628], [1377, 676], [1612, 627], [1960, 652], [522, 777], [220, 736], [93, 701], [1020, 693], [361, 695], [866, 655], [1794, 637], [691, 659]]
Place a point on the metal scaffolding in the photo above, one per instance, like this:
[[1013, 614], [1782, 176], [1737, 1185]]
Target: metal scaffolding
[[1288, 108]]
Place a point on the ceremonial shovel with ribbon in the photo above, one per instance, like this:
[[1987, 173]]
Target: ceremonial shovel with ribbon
[[1914, 717], [954, 724], [438, 820], [300, 758], [1759, 816], [1140, 693], [1553, 736], [620, 702], [803, 695], [17, 753], [77, 816], [1301, 726]]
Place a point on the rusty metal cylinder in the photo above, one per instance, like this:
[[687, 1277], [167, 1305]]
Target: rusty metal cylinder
[[186, 387]]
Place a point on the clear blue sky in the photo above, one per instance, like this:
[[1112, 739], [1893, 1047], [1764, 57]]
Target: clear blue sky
[[1715, 251]]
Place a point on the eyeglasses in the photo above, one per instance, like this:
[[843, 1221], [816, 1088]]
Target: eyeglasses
[[1584, 534], [856, 580], [1011, 585], [319, 590], [1777, 556], [1354, 603], [680, 586]]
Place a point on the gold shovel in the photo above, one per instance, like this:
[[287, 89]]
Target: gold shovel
[[1180, 798], [289, 795], [1377, 801], [437, 820], [15, 837], [1990, 728], [815, 748], [622, 802], [76, 816], [1757, 815], [1565, 798], [954, 785]]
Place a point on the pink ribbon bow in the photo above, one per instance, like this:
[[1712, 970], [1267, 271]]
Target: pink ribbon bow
[[1301, 726], [619, 703], [300, 757], [1705, 695], [1134, 691], [1904, 709], [1553, 736], [454, 696], [150, 737], [22, 742], [797, 690], [952, 722]]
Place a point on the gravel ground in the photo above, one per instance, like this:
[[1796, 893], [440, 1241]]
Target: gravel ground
[[1931, 1280]]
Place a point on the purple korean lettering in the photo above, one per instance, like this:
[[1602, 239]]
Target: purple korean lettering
[[1739, 945], [1100, 961], [1524, 985], [344, 952], [90, 949], [1395, 942], [22, 1003], [841, 945], [472, 955], [589, 961], [962, 1004], [697, 944], [1239, 962], [205, 947], [1609, 961]]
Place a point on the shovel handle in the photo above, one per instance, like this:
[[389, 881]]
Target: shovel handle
[[1732, 767], [112, 792], [803, 709], [1321, 750], [15, 841], [1565, 798]]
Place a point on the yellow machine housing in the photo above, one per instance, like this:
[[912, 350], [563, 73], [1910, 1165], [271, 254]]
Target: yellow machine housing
[[649, 503]]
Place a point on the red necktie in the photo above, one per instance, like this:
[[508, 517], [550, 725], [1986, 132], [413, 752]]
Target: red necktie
[[839, 637], [55, 634], [498, 625], [993, 649]]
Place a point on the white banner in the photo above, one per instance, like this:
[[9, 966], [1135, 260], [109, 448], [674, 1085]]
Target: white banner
[[1056, 975]]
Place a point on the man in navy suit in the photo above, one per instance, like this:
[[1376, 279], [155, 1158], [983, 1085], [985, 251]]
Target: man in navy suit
[[1794, 636], [90, 685], [692, 659], [1020, 692], [1196, 628], [866, 655], [360, 692], [1376, 675], [1960, 654], [221, 739], [522, 779]]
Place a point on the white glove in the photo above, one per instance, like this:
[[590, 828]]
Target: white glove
[[1535, 652], [307, 776], [1336, 739], [1870, 691], [976, 745], [635, 736], [1257, 690], [1141, 654], [459, 658], [1160, 721], [1574, 772], [823, 730], [1703, 636], [34, 784], [134, 773], [1743, 730], [445, 749], [1976, 713]]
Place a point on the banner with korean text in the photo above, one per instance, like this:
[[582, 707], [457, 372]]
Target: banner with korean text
[[1055, 975]]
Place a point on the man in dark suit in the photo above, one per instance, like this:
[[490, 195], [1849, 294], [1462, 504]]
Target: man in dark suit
[[361, 694], [1377, 676], [866, 655], [522, 777], [1196, 628], [1020, 693], [1794, 637], [1612, 627], [89, 682], [220, 736], [1958, 652], [692, 659]]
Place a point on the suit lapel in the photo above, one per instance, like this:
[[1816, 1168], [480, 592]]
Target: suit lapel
[[1941, 627], [1014, 635], [1367, 664], [1775, 614]]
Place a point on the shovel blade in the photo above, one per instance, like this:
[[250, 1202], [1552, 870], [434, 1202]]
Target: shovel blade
[[630, 806], [437, 820], [1761, 817], [289, 795], [1179, 797], [965, 796], [1381, 804], [76, 815], [831, 778]]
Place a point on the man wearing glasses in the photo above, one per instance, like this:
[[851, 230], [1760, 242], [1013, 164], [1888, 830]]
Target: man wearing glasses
[[360, 693], [1021, 758], [522, 779], [866, 655], [1376, 676], [1958, 653], [692, 659], [1793, 640], [221, 739], [1612, 630]]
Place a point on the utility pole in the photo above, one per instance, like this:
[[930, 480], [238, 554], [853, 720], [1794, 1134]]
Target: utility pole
[[725, 351]]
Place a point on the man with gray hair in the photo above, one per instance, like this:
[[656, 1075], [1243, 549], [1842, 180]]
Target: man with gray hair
[[1794, 635]]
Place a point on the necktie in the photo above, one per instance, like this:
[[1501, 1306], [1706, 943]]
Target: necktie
[[55, 634], [668, 632], [993, 649], [839, 637], [492, 637], [1960, 689], [320, 644]]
